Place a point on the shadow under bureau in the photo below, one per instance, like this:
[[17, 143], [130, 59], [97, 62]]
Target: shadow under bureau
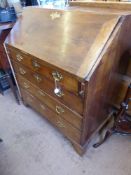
[[65, 64]]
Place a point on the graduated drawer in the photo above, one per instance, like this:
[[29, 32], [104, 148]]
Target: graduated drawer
[[58, 108], [68, 99], [66, 128], [65, 79]]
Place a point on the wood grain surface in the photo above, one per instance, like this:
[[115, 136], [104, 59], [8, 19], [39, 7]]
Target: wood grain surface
[[68, 44]]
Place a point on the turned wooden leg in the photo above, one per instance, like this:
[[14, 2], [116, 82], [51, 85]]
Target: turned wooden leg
[[107, 135], [122, 125], [79, 149]]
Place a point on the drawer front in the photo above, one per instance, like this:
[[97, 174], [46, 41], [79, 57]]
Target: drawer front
[[67, 129], [68, 99], [50, 72], [58, 108]]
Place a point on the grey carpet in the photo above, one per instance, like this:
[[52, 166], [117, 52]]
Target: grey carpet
[[33, 147]]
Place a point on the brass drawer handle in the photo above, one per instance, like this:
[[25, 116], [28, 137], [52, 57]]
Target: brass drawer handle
[[57, 76], [59, 110], [58, 92], [22, 71], [19, 57], [38, 78], [42, 107], [26, 85], [60, 124], [35, 64], [41, 93]]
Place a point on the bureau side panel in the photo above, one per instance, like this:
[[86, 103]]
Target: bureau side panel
[[102, 86]]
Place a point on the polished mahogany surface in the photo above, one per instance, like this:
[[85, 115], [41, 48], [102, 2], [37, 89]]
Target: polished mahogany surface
[[70, 41]]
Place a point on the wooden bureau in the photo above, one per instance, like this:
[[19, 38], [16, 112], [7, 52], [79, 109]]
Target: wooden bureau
[[66, 66]]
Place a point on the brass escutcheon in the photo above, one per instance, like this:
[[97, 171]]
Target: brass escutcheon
[[57, 76], [55, 15]]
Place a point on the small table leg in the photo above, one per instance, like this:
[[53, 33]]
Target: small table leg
[[122, 124], [107, 135]]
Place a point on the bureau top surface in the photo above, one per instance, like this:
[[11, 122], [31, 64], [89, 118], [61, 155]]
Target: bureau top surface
[[70, 40]]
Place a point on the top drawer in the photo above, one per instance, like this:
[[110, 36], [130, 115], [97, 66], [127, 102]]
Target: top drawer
[[50, 72]]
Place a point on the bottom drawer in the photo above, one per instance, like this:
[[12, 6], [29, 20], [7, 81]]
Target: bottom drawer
[[66, 128]]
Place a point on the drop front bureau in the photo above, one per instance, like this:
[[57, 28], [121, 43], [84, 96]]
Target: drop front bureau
[[65, 63]]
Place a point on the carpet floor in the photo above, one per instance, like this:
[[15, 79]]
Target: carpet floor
[[33, 147]]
